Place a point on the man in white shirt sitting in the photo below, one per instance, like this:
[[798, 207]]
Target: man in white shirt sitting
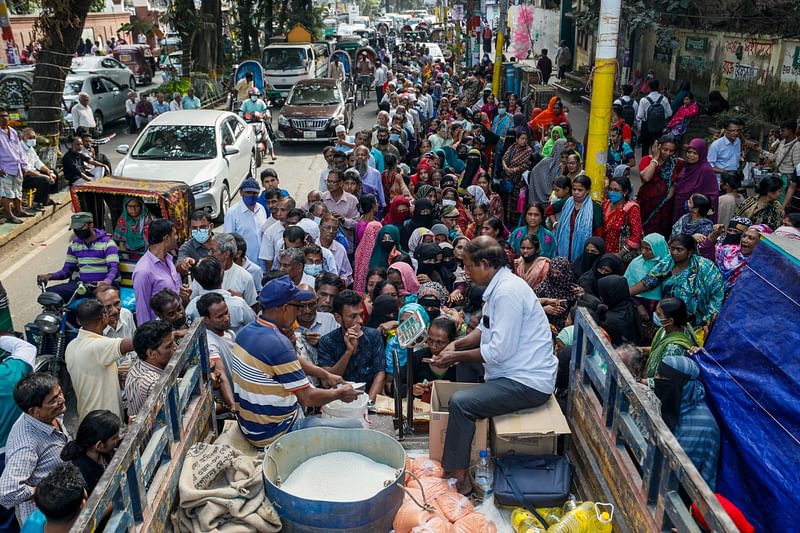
[[513, 343]]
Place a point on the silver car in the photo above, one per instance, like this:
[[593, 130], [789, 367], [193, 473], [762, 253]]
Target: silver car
[[104, 66], [106, 97]]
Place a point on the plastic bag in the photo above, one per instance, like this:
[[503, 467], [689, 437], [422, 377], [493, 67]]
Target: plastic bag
[[432, 486], [454, 505], [437, 524], [424, 467], [410, 516], [475, 523]]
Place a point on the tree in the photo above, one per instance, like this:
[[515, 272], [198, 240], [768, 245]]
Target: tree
[[58, 30]]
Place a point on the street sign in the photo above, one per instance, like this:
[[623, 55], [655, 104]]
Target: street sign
[[458, 12]]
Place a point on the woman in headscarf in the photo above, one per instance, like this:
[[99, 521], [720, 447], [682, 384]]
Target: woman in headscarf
[[696, 177], [392, 179], [478, 195], [429, 264], [535, 112], [606, 265], [684, 410], [556, 133], [674, 337], [495, 201], [399, 212], [516, 162], [552, 116], [559, 285], [732, 258], [622, 321], [387, 247], [419, 237], [687, 276], [422, 217], [133, 226], [531, 266], [592, 250], [471, 170], [580, 218], [540, 179], [684, 89], [423, 174], [658, 172], [384, 314], [449, 159], [450, 197], [402, 274], [493, 227], [764, 207], [654, 250], [622, 219], [644, 86], [534, 225], [364, 252]]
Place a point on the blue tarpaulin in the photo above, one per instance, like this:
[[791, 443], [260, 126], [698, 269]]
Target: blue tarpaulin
[[751, 370]]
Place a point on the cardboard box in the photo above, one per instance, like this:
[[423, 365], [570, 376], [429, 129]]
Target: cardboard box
[[441, 392], [531, 431]]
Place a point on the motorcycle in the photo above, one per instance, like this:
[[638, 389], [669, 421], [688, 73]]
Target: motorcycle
[[50, 332], [262, 126]]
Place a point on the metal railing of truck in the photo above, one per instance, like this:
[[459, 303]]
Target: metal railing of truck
[[623, 450], [141, 482]]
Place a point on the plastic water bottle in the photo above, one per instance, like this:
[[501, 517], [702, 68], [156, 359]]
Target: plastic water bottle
[[524, 522], [576, 521], [484, 473]]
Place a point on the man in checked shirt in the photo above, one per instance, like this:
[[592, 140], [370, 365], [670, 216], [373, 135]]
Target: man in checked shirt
[[35, 442]]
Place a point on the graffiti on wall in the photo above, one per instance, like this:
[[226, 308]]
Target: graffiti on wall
[[790, 67], [746, 59]]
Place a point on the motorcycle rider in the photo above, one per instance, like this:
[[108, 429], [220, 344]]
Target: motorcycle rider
[[256, 107]]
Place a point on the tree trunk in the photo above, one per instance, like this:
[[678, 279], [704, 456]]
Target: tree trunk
[[58, 30], [207, 37], [246, 26]]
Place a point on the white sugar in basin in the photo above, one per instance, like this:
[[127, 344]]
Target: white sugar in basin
[[335, 480]]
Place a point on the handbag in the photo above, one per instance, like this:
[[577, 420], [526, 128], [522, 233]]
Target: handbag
[[532, 481]]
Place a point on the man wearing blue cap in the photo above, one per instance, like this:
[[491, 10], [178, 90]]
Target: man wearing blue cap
[[248, 218], [269, 384]]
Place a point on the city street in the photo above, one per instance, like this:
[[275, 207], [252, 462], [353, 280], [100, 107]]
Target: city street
[[42, 249]]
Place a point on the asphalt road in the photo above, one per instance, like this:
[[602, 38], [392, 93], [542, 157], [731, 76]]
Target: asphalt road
[[42, 249]]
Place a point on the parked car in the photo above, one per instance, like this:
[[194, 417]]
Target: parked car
[[312, 111], [211, 151], [106, 97], [105, 66]]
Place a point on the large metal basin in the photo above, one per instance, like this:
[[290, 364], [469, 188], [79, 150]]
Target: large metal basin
[[374, 515]]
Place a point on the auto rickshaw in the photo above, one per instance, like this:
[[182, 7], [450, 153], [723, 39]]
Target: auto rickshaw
[[350, 44], [139, 58], [364, 81], [349, 75], [241, 70], [104, 198]]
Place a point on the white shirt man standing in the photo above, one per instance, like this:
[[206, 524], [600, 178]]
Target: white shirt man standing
[[82, 113]]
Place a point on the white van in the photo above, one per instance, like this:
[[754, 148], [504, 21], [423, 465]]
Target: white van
[[287, 63]]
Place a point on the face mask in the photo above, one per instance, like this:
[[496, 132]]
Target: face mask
[[462, 156], [313, 270], [394, 137], [253, 98], [83, 234], [387, 246], [317, 220], [449, 203], [529, 258], [433, 314], [501, 111], [614, 196], [249, 201], [426, 268], [31, 143], [201, 235], [657, 321]]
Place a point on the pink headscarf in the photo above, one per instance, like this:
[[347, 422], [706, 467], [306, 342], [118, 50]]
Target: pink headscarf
[[410, 283], [364, 253]]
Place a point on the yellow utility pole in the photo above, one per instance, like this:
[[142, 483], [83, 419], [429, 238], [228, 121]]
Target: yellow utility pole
[[602, 95], [497, 75]]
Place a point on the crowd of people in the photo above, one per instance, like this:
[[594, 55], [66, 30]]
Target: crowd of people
[[456, 207]]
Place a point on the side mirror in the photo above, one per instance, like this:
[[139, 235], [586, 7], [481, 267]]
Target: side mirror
[[230, 150], [123, 149]]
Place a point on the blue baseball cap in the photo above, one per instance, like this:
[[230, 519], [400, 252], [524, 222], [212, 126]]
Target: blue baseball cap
[[281, 291], [250, 185]]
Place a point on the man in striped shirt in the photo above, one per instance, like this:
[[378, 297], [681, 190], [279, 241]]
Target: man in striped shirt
[[93, 253], [269, 384]]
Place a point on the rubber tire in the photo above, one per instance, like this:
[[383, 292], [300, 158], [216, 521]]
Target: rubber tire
[[99, 124], [259, 160], [226, 193], [132, 83]]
